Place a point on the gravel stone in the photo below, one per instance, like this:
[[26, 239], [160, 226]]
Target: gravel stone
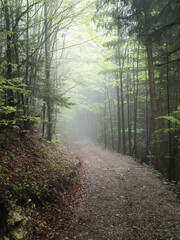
[[130, 203]]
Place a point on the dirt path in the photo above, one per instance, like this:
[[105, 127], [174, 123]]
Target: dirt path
[[124, 201]]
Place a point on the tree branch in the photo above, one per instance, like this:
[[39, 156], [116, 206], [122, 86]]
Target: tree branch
[[169, 62]]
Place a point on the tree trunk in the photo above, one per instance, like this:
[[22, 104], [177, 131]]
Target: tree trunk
[[154, 115], [119, 119], [147, 116], [9, 40], [129, 117], [136, 91], [121, 66], [123, 115], [47, 76], [44, 118], [105, 121], [171, 167], [111, 123], [128, 96]]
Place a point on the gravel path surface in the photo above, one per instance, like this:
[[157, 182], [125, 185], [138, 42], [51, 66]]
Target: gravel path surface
[[123, 201]]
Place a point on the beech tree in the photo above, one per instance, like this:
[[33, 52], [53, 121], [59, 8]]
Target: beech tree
[[28, 27]]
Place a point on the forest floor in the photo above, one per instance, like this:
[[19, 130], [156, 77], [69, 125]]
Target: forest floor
[[121, 200], [39, 186], [81, 192]]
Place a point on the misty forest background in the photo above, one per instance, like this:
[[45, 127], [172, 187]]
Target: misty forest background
[[107, 70]]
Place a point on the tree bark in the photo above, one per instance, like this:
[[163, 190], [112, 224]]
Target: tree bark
[[129, 117], [136, 91], [119, 119], [9, 99], [121, 66], [110, 115], [105, 121], [9, 40], [154, 115], [47, 76], [171, 167]]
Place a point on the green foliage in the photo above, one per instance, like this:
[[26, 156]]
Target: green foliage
[[12, 156], [26, 83], [58, 140], [16, 187], [159, 175], [6, 122], [14, 84], [15, 87], [174, 119], [8, 109]]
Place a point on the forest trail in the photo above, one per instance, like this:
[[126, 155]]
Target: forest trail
[[124, 200]]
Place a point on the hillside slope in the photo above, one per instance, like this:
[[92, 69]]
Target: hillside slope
[[38, 181]]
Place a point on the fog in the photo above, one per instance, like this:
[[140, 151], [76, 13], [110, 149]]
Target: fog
[[103, 70]]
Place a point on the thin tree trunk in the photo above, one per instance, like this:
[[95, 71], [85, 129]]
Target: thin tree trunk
[[171, 167], [111, 123], [123, 115], [47, 75], [25, 98], [129, 118], [136, 91], [147, 115], [154, 114], [9, 40], [121, 65], [105, 121], [128, 86], [119, 119], [44, 118]]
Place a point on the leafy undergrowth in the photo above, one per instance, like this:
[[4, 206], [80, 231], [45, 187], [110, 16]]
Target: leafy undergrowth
[[175, 185], [43, 173]]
